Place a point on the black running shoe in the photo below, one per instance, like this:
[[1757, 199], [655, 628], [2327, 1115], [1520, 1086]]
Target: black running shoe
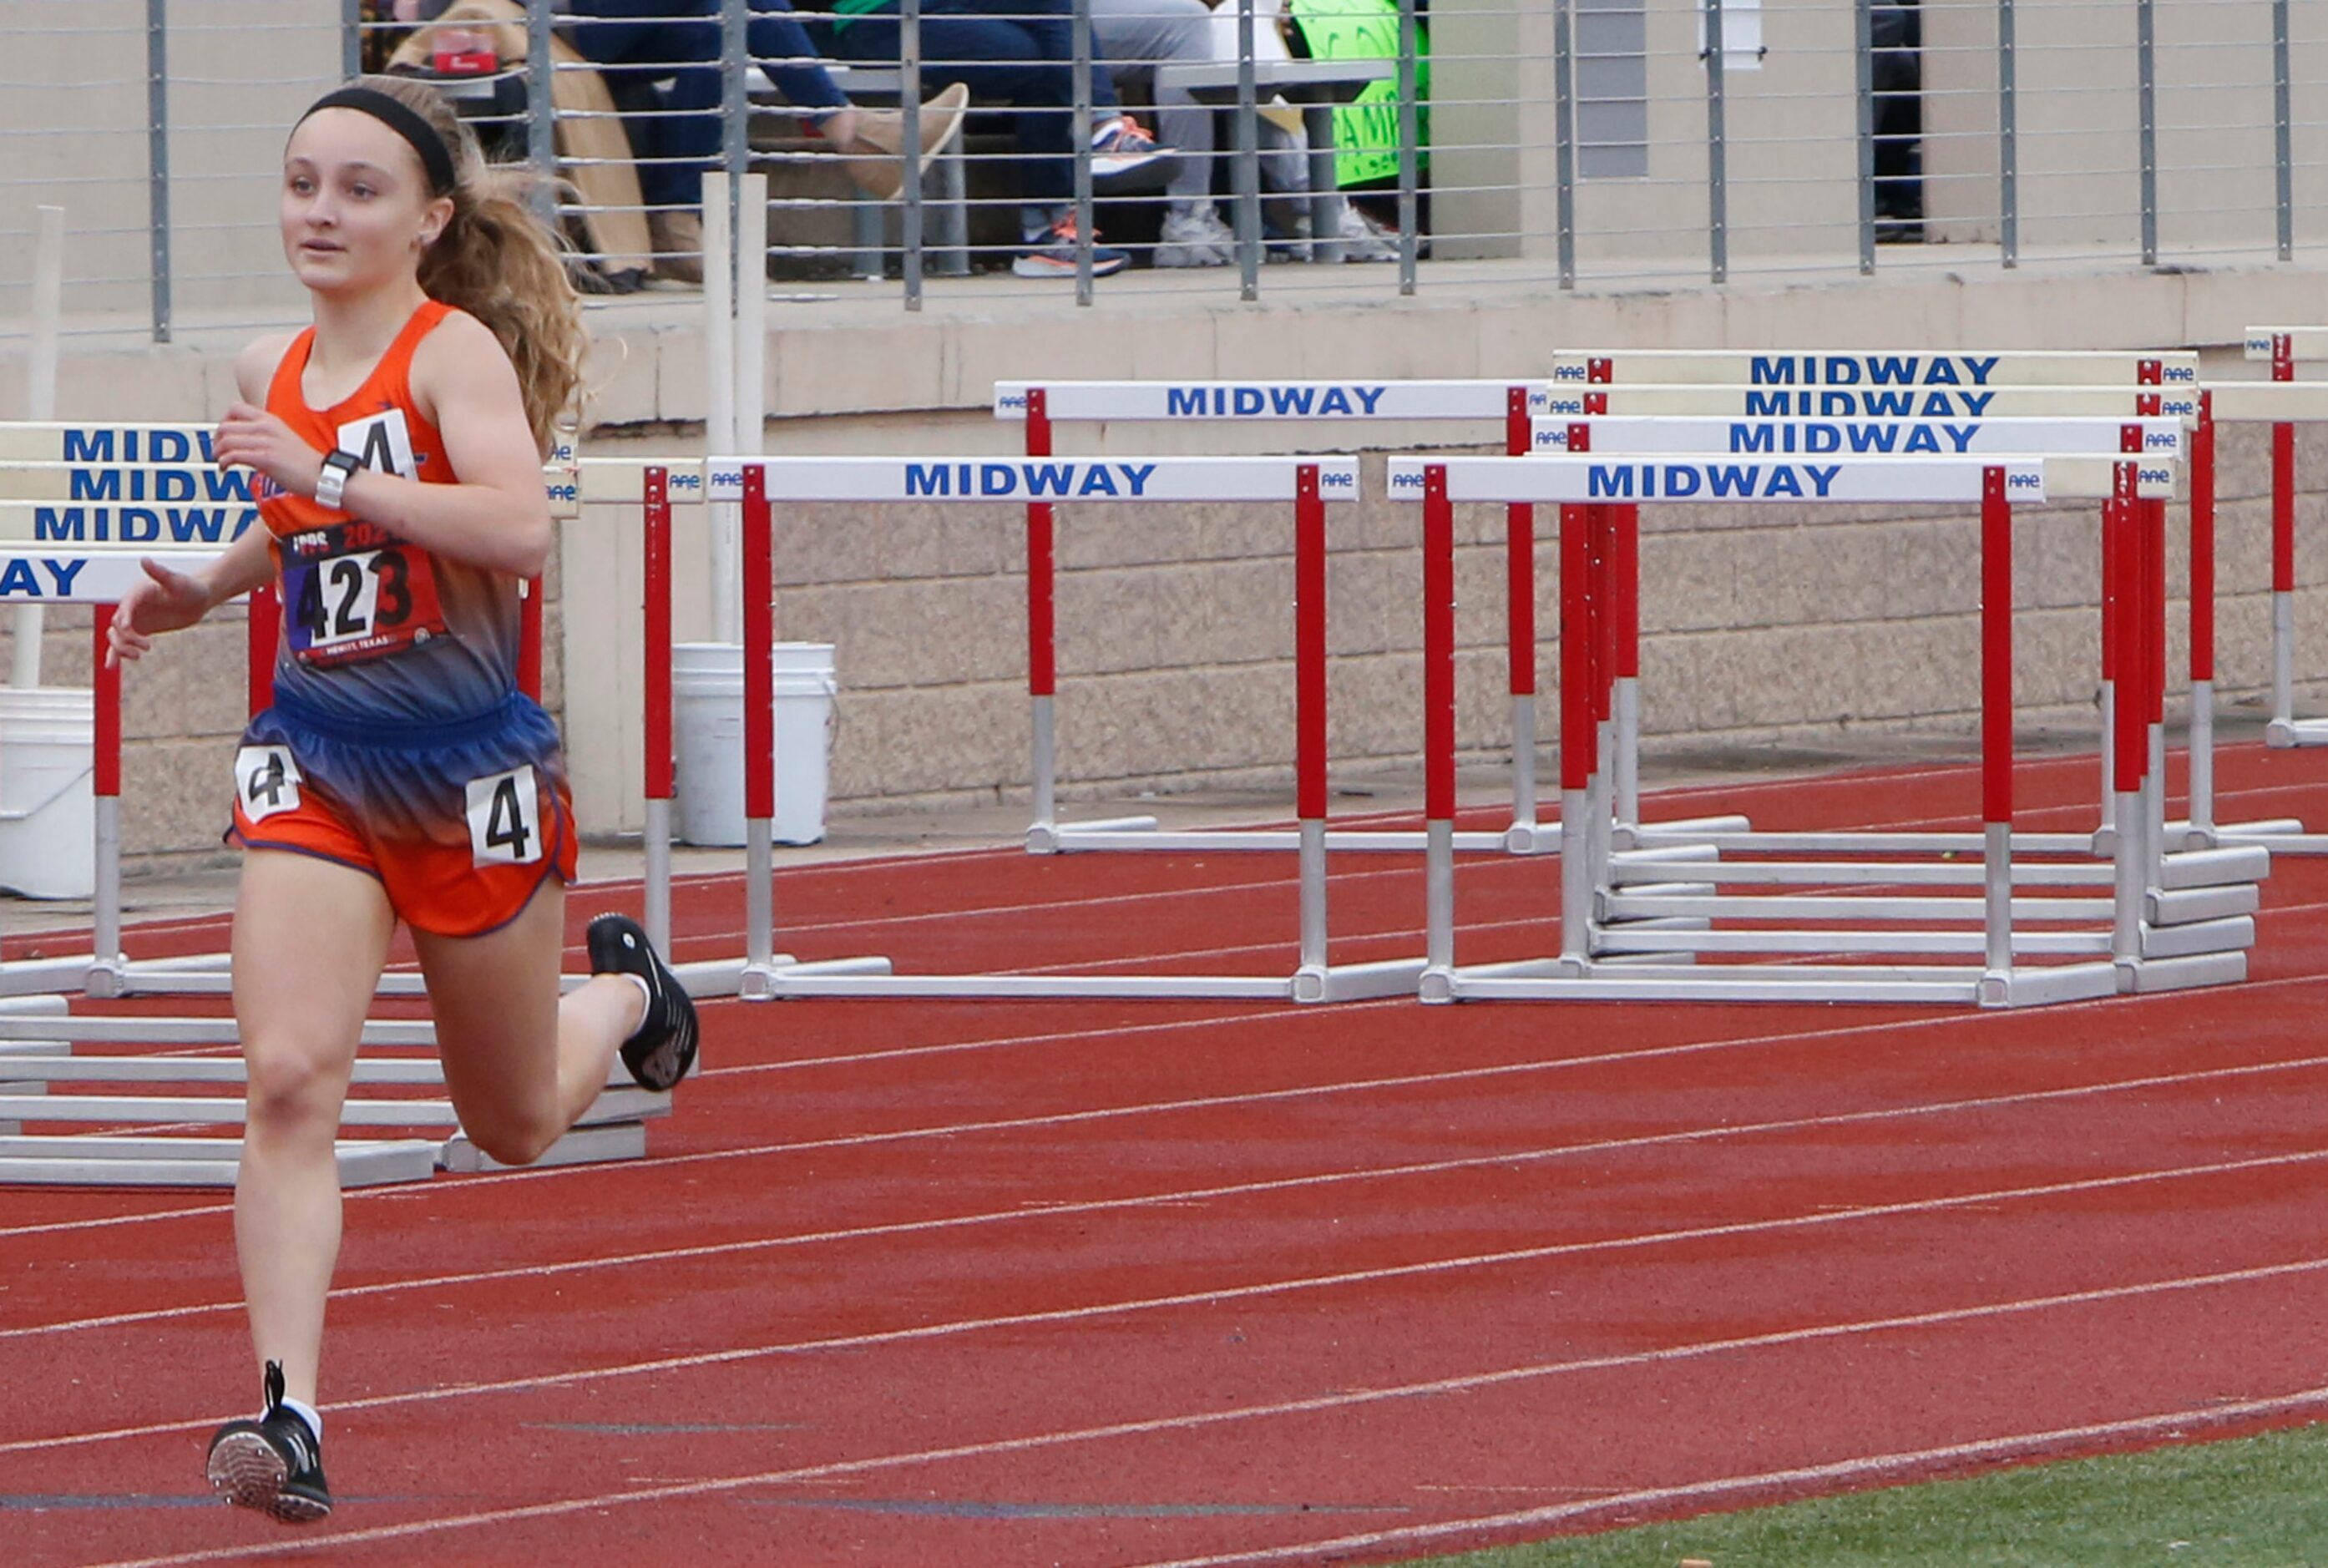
[[663, 1050], [274, 1464]]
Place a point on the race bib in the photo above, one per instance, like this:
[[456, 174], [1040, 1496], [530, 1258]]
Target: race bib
[[266, 781], [354, 591], [505, 818]]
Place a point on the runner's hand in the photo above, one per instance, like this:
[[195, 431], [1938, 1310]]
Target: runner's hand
[[251, 437], [166, 601]]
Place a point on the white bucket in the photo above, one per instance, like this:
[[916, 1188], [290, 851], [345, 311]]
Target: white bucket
[[707, 700], [48, 804]]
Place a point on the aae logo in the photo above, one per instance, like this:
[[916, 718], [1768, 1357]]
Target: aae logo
[[729, 480], [2154, 476], [2180, 373], [687, 482], [1406, 479], [1010, 400], [2025, 481], [1570, 373], [567, 492], [1337, 479], [2167, 439]]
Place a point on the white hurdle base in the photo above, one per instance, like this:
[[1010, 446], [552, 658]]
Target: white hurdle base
[[1335, 982], [584, 1145], [130, 1162], [2182, 906], [1143, 834], [1869, 983], [36, 976], [2285, 733], [1680, 831]]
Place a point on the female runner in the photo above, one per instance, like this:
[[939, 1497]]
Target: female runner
[[401, 774]]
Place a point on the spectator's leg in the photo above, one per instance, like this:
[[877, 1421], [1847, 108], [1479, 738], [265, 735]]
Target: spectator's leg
[[1139, 35], [781, 45], [996, 60], [651, 41]]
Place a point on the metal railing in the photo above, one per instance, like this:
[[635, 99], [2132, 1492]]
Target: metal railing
[[1570, 142]]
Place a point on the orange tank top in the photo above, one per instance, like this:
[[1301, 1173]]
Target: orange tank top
[[372, 622]]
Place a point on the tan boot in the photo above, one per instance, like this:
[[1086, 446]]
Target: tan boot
[[874, 155], [678, 241]]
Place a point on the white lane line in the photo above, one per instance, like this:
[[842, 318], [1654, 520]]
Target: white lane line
[[1908, 1465], [658, 1162], [1344, 1399], [1039, 1211], [1266, 1288]]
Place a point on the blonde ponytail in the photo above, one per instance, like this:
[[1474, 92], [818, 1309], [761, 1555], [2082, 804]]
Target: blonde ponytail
[[499, 261]]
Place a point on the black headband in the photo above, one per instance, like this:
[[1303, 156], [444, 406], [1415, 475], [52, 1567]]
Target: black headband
[[405, 121]]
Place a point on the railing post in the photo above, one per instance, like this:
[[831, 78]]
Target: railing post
[[351, 21], [2147, 64], [1248, 166], [541, 106], [1409, 136], [1563, 88], [157, 159], [2284, 125], [1081, 141], [1717, 171], [909, 104], [2008, 141], [736, 135], [1863, 52]]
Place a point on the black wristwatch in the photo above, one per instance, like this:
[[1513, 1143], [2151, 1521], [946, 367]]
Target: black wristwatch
[[331, 484]]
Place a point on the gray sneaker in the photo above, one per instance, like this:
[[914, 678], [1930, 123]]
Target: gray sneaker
[[1194, 236]]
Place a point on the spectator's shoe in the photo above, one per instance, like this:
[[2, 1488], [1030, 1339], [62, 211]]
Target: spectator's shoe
[[1125, 159], [678, 242], [1194, 236], [874, 155], [1363, 240], [1053, 255], [274, 1464], [660, 1051]]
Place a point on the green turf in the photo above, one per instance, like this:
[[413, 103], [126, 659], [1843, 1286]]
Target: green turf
[[2258, 1502]]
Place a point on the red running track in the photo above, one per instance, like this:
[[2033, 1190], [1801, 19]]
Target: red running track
[[1143, 1283]]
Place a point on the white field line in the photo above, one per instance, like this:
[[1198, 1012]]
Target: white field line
[[564, 1172], [1902, 1466], [1341, 1279], [662, 1256], [1345, 1399]]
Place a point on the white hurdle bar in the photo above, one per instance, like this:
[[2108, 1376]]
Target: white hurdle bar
[[2130, 954], [1041, 405], [1307, 485]]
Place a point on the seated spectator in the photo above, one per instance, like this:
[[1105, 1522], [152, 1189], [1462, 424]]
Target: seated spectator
[[1137, 36], [1021, 53], [648, 41]]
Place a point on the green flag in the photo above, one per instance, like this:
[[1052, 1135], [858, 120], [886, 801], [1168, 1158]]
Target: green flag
[[1366, 129]]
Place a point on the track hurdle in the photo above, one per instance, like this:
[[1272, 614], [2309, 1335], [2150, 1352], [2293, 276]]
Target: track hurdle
[[80, 505], [2283, 404], [2083, 457], [1307, 486], [2204, 890], [2282, 346], [1889, 384], [2119, 947], [1040, 406]]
